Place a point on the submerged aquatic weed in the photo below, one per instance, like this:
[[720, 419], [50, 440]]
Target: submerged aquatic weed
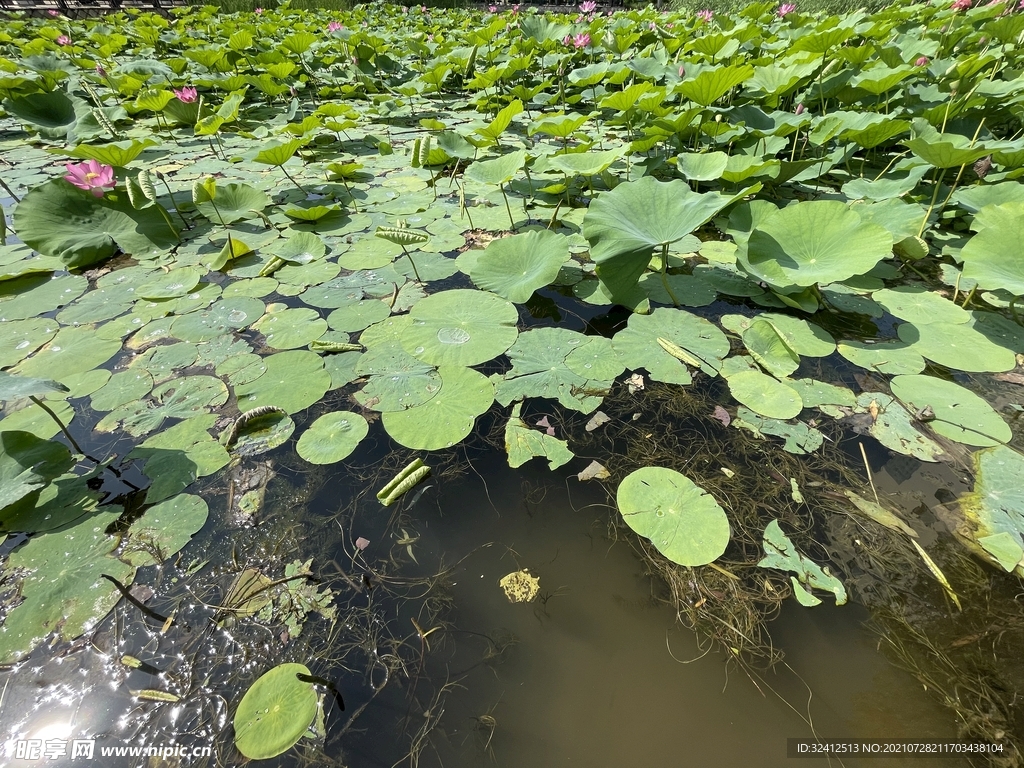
[[91, 176]]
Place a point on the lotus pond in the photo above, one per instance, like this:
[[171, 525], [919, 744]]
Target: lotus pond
[[410, 386]]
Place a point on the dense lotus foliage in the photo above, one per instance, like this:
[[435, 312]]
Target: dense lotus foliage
[[214, 221]]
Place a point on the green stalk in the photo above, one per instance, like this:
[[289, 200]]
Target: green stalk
[[297, 185], [664, 274], [414, 270], [173, 201], [931, 206], [507, 207]]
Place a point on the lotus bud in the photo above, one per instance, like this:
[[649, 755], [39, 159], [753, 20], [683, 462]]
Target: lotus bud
[[799, 109], [682, 71], [922, 61]]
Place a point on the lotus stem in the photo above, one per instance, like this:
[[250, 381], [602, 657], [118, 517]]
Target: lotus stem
[[664, 274], [67, 434], [173, 201], [931, 206], [960, 173], [293, 181], [508, 207], [414, 270], [9, 191]]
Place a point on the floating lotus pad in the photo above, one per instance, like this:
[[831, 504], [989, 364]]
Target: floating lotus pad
[[523, 443], [992, 257], [448, 417], [27, 297], [72, 350], [637, 344], [765, 395], [164, 529], [122, 388], [286, 328], [683, 522], [332, 437], [177, 282], [540, 369], [820, 241], [460, 327], [957, 346], [293, 381], [893, 357], [397, 380], [23, 337], [514, 267], [959, 413], [917, 305], [275, 712], [224, 316], [63, 591], [994, 507]]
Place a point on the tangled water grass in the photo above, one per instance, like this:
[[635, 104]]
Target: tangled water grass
[[741, 261]]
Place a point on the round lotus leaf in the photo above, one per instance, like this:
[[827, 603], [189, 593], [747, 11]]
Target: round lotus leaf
[[34, 419], [83, 384], [293, 381], [97, 306], [293, 279], [765, 395], [163, 360], [72, 350], [388, 329], [17, 387], [179, 398], [224, 316], [31, 295], [819, 241], [957, 346], [460, 328], [637, 344], [23, 337], [332, 437], [358, 316], [960, 414], [514, 267], [164, 529], [261, 433], [802, 337], [595, 359], [448, 417], [917, 305], [123, 387], [255, 287], [397, 380], [300, 248], [992, 257], [60, 503], [241, 368], [275, 712], [203, 296], [285, 328], [342, 368], [63, 591], [234, 202], [430, 265], [27, 463], [893, 357], [370, 252], [683, 522], [688, 290], [171, 285]]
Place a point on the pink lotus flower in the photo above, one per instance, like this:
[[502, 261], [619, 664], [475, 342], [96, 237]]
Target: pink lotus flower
[[91, 176], [101, 71], [362, 543], [652, 26], [258, 11], [63, 40], [922, 61], [582, 40], [334, 26], [188, 94], [706, 15], [515, 9], [492, 9], [784, 10], [53, 13], [567, 40], [588, 6], [961, 5]]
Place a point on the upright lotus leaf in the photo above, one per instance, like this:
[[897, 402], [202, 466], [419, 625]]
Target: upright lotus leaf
[[713, 83], [63, 590], [397, 380], [765, 395], [539, 369], [274, 713], [994, 510], [703, 166], [514, 267], [947, 150], [497, 171], [780, 553], [957, 345], [681, 519], [638, 347], [959, 413], [992, 257], [769, 348], [234, 202], [585, 163], [626, 224], [820, 241], [332, 437], [293, 381], [57, 219], [53, 114], [448, 417], [802, 336], [27, 464], [66, 499], [523, 443], [164, 529], [117, 154], [460, 327]]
